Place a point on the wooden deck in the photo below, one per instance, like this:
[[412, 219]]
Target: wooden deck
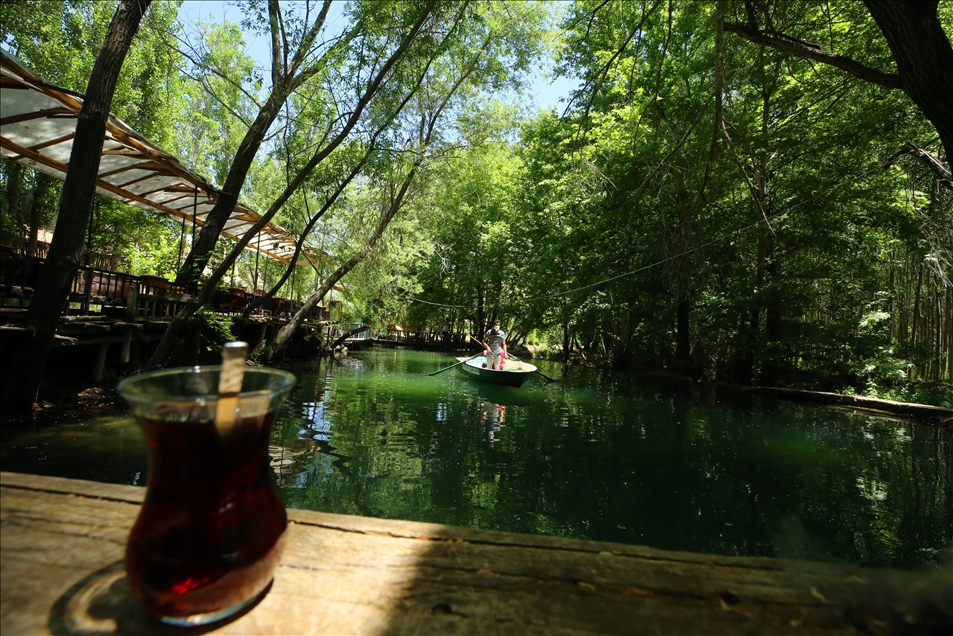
[[63, 540], [121, 346]]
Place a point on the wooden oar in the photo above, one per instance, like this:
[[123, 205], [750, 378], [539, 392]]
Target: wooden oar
[[485, 348], [537, 370], [475, 355]]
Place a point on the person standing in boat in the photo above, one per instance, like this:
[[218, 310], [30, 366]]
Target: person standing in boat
[[495, 342]]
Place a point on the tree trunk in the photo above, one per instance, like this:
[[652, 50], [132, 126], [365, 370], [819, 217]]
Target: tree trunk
[[772, 322], [67, 249], [567, 343], [948, 333], [14, 196], [938, 334], [201, 251], [683, 358], [916, 317], [348, 334], [924, 58], [751, 336], [28, 205], [683, 275], [481, 311], [288, 331]]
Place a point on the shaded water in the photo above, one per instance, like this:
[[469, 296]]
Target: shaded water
[[597, 455]]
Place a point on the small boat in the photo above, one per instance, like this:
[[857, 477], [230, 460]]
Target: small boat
[[514, 372]]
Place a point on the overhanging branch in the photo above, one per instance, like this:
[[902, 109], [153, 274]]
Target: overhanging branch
[[942, 173], [806, 51]]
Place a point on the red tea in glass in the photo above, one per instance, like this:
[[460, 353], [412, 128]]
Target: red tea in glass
[[212, 525]]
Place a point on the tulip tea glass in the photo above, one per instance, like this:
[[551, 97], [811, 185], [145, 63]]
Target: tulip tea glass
[[212, 525]]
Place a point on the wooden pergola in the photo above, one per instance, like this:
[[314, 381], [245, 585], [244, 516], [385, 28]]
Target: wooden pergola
[[37, 126]]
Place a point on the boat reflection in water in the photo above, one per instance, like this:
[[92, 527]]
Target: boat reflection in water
[[492, 417]]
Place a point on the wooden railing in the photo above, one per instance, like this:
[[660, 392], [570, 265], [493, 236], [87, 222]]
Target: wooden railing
[[103, 288], [100, 291]]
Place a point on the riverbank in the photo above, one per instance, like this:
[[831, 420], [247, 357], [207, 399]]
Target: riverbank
[[926, 412], [939, 412]]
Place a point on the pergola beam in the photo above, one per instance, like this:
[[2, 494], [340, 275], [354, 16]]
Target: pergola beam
[[40, 131]]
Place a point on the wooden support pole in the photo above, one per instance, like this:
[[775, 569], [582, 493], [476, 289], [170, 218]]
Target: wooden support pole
[[262, 335], [100, 367], [132, 300], [87, 285], [126, 346], [197, 341]]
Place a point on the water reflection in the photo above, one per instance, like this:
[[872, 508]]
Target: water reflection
[[597, 455], [492, 418], [603, 456]]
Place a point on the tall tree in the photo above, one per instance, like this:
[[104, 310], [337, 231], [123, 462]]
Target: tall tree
[[293, 63], [76, 205], [380, 68], [920, 47], [924, 57], [471, 61]]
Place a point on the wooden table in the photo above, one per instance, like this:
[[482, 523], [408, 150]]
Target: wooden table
[[62, 573]]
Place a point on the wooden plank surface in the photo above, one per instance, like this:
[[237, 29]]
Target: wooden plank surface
[[61, 572]]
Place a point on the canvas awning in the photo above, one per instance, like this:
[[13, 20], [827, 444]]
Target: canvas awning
[[37, 125]]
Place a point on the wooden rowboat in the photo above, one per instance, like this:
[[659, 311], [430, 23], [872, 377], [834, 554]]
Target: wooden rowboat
[[514, 372]]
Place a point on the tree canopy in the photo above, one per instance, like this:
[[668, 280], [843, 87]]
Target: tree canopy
[[748, 191]]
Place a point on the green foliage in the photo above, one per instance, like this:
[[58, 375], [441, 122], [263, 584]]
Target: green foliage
[[145, 243], [786, 243], [59, 40], [217, 99], [791, 249], [220, 327], [936, 394]]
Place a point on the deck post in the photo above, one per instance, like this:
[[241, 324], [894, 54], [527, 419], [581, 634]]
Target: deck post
[[132, 300], [126, 346], [134, 355], [88, 288], [100, 367], [262, 335]]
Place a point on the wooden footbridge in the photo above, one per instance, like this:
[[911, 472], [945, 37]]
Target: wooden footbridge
[[113, 316]]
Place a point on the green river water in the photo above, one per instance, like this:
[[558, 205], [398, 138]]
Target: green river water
[[597, 455]]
